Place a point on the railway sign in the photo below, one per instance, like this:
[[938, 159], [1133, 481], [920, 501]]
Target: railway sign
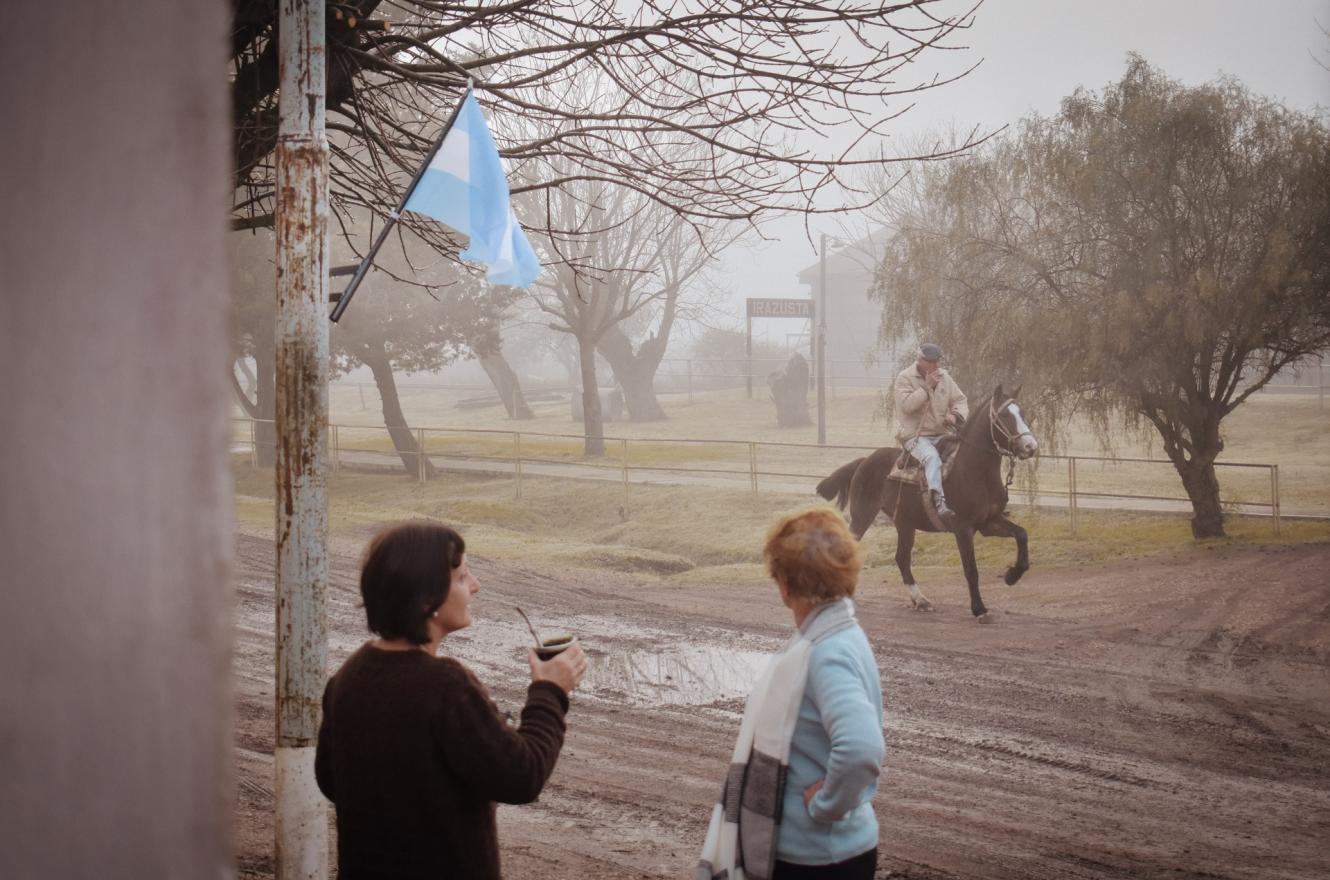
[[780, 308]]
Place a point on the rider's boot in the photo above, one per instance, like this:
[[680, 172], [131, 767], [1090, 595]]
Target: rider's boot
[[945, 513]]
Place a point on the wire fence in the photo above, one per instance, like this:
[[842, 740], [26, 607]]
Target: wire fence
[[674, 376], [691, 376], [1074, 483]]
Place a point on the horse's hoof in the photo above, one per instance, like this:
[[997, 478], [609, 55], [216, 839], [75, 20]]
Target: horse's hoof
[[983, 618], [1013, 575], [917, 600]]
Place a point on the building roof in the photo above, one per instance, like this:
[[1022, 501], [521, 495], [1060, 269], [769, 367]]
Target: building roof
[[859, 257]]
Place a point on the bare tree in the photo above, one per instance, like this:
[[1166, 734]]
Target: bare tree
[[670, 266], [733, 79], [585, 304]]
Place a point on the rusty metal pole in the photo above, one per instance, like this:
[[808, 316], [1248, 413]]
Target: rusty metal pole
[[302, 432]]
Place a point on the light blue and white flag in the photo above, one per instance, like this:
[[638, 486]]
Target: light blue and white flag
[[464, 186]]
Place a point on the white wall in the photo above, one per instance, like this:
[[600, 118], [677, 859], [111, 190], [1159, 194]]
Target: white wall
[[114, 490]]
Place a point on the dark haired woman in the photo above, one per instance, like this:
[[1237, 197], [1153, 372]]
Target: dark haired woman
[[412, 751]]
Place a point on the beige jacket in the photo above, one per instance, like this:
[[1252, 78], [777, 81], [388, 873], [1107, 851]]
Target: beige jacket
[[921, 411]]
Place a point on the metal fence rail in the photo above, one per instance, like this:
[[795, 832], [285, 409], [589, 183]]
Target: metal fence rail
[[752, 463], [689, 375]]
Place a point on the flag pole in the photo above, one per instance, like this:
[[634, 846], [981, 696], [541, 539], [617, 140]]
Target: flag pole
[[344, 299]]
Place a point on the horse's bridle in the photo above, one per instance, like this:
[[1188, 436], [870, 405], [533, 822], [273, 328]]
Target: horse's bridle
[[995, 427]]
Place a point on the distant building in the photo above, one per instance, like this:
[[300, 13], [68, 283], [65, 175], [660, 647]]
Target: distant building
[[854, 319]]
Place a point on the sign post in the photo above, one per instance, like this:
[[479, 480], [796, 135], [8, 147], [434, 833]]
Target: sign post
[[776, 308]]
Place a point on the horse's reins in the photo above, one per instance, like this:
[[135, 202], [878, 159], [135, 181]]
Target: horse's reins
[[1004, 449], [1008, 438], [994, 427]]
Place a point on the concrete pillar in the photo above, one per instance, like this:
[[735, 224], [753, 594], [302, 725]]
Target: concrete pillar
[[115, 492]]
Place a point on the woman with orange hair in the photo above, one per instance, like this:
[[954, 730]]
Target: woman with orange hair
[[797, 801]]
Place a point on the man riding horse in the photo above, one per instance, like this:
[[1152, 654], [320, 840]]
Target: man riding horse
[[929, 403]]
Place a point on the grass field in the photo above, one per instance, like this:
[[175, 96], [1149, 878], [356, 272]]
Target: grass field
[[1291, 431], [703, 533]]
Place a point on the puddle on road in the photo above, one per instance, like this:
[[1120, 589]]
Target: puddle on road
[[682, 674]]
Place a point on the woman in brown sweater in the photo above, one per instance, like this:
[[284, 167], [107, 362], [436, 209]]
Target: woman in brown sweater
[[412, 751]]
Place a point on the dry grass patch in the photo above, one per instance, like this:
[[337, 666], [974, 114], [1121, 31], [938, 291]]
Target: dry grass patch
[[703, 534]]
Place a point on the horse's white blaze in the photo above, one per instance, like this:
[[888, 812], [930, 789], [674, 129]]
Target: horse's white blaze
[[1025, 440]]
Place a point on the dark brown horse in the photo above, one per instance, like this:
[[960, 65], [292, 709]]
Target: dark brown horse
[[974, 489]]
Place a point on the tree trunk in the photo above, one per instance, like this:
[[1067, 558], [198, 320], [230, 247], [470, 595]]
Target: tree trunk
[[263, 408], [1202, 485], [404, 440], [505, 381], [635, 373], [593, 425]]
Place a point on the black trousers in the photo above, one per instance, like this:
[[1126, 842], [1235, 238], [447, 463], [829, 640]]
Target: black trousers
[[861, 867]]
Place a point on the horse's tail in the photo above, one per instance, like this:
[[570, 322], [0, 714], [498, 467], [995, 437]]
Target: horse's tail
[[837, 486]]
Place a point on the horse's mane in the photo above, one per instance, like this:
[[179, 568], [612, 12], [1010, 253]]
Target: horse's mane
[[985, 405]]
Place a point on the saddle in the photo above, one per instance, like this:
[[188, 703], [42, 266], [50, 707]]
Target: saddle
[[907, 469]]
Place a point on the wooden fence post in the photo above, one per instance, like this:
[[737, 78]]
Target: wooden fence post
[[420, 453], [1274, 496], [517, 463], [1071, 492], [623, 451]]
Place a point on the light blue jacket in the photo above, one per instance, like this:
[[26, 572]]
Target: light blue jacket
[[838, 737]]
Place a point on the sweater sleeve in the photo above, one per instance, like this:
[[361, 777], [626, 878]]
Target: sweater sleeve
[[323, 769], [851, 722], [493, 761], [909, 400]]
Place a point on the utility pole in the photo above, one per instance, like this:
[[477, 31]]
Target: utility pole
[[302, 432], [822, 347]]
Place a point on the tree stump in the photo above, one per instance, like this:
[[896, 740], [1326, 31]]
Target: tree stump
[[789, 391]]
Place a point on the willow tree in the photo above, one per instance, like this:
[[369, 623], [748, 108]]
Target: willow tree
[[1153, 251]]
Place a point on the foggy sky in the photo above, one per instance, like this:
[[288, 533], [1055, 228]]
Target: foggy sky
[[1037, 51]]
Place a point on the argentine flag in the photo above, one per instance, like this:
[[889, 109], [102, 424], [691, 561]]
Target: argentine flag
[[464, 187]]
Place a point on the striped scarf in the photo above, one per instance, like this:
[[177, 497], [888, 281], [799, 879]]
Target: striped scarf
[[745, 824]]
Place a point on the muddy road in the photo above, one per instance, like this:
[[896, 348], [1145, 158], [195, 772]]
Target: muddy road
[[1157, 718]]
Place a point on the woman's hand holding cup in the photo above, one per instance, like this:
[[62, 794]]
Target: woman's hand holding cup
[[564, 669]]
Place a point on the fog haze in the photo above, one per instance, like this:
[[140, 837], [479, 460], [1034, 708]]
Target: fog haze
[[1032, 53]]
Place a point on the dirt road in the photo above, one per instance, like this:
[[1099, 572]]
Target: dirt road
[[1159, 718]]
